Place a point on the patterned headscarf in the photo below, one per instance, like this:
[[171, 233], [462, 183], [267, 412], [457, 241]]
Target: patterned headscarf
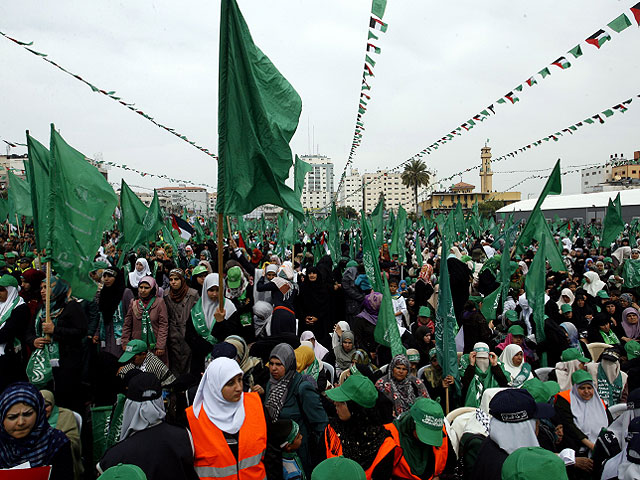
[[279, 389], [426, 272]]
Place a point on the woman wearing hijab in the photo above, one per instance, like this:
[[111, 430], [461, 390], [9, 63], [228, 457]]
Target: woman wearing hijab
[[574, 339], [314, 304], [630, 324], [399, 386], [210, 322], [14, 320], [63, 338], [582, 312], [344, 351], [30, 289], [26, 436], [424, 285], [283, 296], [308, 366], [290, 396], [480, 370], [459, 279], [254, 374], [512, 359], [63, 419], [113, 309], [566, 298], [147, 320], [162, 451], [319, 350], [365, 322], [140, 271], [610, 382], [179, 299], [593, 284]]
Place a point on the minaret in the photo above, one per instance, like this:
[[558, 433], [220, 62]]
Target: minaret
[[486, 184]]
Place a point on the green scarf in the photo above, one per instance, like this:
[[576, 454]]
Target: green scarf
[[114, 422], [610, 338], [416, 453], [53, 348], [7, 314], [199, 323], [53, 418], [147, 331], [609, 392], [481, 381], [313, 370], [522, 377]]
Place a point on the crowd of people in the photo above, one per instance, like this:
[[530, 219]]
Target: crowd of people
[[274, 371]]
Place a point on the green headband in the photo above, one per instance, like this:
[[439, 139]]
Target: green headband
[[295, 429]]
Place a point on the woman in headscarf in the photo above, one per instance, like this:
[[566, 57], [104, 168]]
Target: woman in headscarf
[[566, 298], [210, 323], [610, 382], [574, 338], [365, 322], [239, 289], [630, 324], [30, 289], [26, 436], [113, 308], [480, 370], [424, 285], [283, 296], [399, 386], [512, 359], [308, 365], [593, 284], [459, 279], [601, 330], [344, 352], [63, 419], [289, 396], [314, 304], [14, 319], [254, 374], [179, 299], [140, 271], [63, 338], [582, 312], [319, 350]]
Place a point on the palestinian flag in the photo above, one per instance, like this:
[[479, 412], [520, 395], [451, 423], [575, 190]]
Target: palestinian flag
[[598, 117], [518, 88], [598, 38], [490, 107], [479, 118], [511, 97], [372, 48], [562, 62], [621, 107], [576, 51], [12, 145], [464, 125], [372, 36], [545, 72], [365, 96], [367, 70], [531, 82], [619, 24], [377, 24], [636, 12], [182, 227], [369, 60]]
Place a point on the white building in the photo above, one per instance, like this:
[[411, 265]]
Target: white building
[[14, 163], [592, 178], [318, 187], [351, 192], [389, 184], [211, 201], [194, 199]]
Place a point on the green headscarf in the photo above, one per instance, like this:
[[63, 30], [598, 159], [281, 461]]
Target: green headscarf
[[415, 452]]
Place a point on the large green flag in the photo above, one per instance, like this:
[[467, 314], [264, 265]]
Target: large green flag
[[38, 175], [334, 236], [553, 185], [446, 321], [631, 273], [474, 220], [535, 284], [370, 256], [399, 233], [490, 305], [152, 222], [300, 171], [19, 197], [132, 214], [4, 209], [81, 203], [377, 219], [458, 221], [387, 332], [258, 113], [613, 224]]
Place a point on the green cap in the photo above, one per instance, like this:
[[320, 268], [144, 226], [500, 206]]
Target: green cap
[[123, 472], [99, 265], [632, 347], [581, 376], [541, 391], [511, 315], [198, 270], [133, 348], [573, 354], [476, 299], [338, 467], [516, 330], [10, 255], [433, 353], [429, 419], [608, 260], [424, 311], [352, 263], [234, 277], [533, 463], [413, 355], [565, 307], [602, 294], [356, 388], [8, 281], [30, 255]]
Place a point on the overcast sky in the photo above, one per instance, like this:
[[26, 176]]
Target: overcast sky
[[441, 63]]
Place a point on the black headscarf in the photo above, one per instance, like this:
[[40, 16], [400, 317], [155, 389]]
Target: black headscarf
[[110, 297]]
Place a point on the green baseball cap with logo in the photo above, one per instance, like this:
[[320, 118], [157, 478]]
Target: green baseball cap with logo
[[516, 330], [566, 308], [533, 463], [573, 354], [8, 281], [123, 472], [234, 277], [581, 376], [356, 388], [511, 315], [133, 348], [602, 294], [198, 270], [541, 391], [429, 419], [424, 311], [632, 348], [338, 467]]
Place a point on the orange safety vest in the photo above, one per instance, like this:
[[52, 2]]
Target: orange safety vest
[[566, 394], [213, 457], [403, 470], [334, 449]]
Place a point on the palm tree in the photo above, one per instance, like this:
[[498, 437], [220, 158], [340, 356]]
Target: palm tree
[[416, 175]]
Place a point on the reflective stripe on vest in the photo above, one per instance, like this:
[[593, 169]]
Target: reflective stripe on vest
[[231, 470]]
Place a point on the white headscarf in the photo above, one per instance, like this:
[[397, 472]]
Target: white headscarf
[[7, 306], [209, 306], [136, 276], [318, 349], [335, 339], [566, 292], [512, 436], [525, 313], [564, 370], [506, 358], [590, 417], [594, 284], [227, 416], [138, 416]]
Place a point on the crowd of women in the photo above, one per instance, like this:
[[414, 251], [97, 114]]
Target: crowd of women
[[274, 371]]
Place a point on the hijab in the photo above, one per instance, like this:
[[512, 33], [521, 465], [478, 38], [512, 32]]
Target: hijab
[[318, 349], [594, 284], [244, 360], [590, 417], [343, 358], [564, 370], [209, 306], [227, 416], [335, 338], [110, 297], [138, 416], [400, 392], [43, 442], [306, 362], [426, 272], [59, 292], [7, 307], [506, 358], [631, 331], [512, 436], [154, 288], [279, 389], [136, 276], [177, 295], [565, 292], [371, 307]]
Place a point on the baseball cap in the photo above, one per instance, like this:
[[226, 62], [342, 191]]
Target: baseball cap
[[515, 405], [565, 307], [632, 348], [143, 387], [580, 376], [516, 330], [133, 348], [356, 388], [481, 349], [123, 472], [541, 391], [511, 315], [234, 277], [602, 294], [533, 463], [10, 255], [611, 355], [8, 281], [429, 419], [413, 355], [338, 467], [424, 311], [198, 270], [573, 354], [99, 265]]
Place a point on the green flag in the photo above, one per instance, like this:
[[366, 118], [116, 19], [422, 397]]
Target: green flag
[[300, 171], [458, 221], [258, 113], [4, 209], [38, 175], [399, 232], [505, 269], [81, 203], [387, 332], [132, 214], [552, 187], [19, 197], [631, 273], [535, 284], [370, 254], [378, 7], [490, 305], [152, 222], [613, 224], [377, 219], [334, 236]]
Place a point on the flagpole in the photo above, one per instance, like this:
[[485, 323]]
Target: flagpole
[[18, 225], [47, 301], [220, 256], [446, 393]]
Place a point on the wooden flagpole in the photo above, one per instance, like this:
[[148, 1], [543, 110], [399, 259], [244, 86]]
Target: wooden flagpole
[[220, 256], [47, 300]]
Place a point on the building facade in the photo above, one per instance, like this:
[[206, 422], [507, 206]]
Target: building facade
[[318, 189], [351, 192], [193, 199], [389, 185], [619, 173]]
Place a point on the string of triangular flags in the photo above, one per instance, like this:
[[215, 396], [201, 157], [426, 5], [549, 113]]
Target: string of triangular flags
[[109, 93], [619, 24]]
